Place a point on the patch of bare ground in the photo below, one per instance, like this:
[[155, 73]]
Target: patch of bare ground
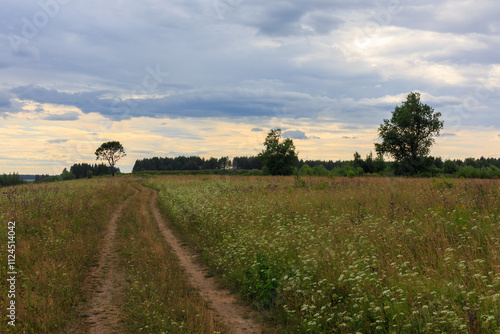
[[236, 316], [103, 286]]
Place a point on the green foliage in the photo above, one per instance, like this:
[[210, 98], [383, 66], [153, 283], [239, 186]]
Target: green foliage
[[82, 170], [349, 170], [351, 173], [10, 179], [408, 135], [306, 170], [443, 183], [368, 255], [320, 170], [66, 175], [479, 173], [111, 152], [450, 167], [261, 281], [279, 157]]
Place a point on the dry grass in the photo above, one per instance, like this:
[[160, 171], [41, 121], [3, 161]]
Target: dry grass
[[157, 297], [58, 228], [346, 255]]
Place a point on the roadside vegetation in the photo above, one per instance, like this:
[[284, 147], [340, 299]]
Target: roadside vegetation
[[58, 230], [347, 255], [156, 295]]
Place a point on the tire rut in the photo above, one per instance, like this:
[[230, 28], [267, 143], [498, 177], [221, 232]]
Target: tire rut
[[225, 304], [106, 281]]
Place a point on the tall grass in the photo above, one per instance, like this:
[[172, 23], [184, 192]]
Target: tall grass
[[156, 296], [349, 255], [58, 230]]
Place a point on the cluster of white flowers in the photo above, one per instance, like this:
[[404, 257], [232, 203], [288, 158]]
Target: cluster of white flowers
[[336, 265]]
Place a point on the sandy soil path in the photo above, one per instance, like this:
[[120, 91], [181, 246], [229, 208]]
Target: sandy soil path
[[103, 313], [236, 316]]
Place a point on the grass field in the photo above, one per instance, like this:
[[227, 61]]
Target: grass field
[[368, 255], [319, 255], [59, 231]]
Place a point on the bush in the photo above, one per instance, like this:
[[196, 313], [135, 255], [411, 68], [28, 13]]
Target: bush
[[320, 170], [450, 167], [305, 170]]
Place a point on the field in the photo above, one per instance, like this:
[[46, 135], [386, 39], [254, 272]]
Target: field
[[349, 255], [60, 229], [319, 255]]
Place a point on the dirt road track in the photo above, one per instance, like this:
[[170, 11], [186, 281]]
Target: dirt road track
[[103, 314], [225, 304]]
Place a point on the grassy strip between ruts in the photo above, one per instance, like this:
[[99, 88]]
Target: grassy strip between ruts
[[58, 229], [349, 255], [156, 296]]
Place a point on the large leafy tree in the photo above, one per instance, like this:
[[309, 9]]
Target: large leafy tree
[[408, 135], [111, 152], [279, 157]]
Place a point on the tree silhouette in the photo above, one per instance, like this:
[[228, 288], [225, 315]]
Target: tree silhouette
[[408, 135], [279, 157], [111, 152]]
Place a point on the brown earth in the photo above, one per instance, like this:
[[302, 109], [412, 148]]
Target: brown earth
[[100, 314], [104, 282], [103, 314], [235, 315]]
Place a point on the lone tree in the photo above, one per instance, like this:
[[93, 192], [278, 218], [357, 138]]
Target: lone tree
[[111, 152], [279, 157], [408, 135]]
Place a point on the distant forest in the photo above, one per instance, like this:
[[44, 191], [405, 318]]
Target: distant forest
[[196, 163], [77, 171], [468, 168]]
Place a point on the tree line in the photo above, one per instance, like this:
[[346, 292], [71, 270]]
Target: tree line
[[78, 171], [370, 165], [195, 163], [10, 179]]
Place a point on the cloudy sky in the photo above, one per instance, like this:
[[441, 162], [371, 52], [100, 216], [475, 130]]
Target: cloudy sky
[[212, 77]]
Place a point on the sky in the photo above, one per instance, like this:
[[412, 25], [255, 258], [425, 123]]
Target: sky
[[212, 77]]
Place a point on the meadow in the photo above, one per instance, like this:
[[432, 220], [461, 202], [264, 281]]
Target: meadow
[[348, 255], [60, 228]]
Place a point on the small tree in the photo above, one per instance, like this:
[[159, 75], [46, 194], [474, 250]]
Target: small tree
[[279, 157], [408, 135], [111, 152]]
